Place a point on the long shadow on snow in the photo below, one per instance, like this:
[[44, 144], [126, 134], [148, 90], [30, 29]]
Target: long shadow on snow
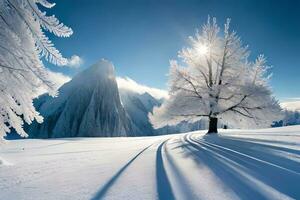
[[180, 178], [101, 193], [268, 143], [164, 189], [264, 152], [250, 159], [226, 174]]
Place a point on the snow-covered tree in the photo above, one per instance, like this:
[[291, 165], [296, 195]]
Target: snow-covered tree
[[218, 82], [22, 45]]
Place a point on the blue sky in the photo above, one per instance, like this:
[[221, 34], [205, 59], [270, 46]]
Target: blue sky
[[141, 36]]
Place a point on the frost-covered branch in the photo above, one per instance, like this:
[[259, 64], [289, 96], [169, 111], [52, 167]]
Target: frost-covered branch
[[227, 85], [22, 45]]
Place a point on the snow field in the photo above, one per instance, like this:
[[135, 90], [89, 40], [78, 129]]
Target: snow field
[[236, 164]]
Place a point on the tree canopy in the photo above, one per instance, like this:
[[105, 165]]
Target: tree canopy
[[216, 80]]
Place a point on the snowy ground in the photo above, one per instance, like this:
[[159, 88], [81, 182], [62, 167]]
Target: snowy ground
[[237, 164]]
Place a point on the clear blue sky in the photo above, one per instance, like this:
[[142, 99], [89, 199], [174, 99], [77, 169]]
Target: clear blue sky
[[141, 36]]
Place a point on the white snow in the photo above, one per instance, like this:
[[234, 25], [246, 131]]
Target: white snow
[[4, 162], [237, 164]]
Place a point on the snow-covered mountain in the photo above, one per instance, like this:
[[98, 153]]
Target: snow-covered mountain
[[88, 105], [137, 107], [92, 104]]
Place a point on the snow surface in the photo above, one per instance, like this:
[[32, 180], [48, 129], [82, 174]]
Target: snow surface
[[237, 164]]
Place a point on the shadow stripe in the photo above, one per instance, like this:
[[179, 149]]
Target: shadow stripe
[[164, 189], [110, 183]]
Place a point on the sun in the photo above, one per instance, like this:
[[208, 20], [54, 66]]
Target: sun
[[202, 49]]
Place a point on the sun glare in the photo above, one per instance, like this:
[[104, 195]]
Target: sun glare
[[202, 49]]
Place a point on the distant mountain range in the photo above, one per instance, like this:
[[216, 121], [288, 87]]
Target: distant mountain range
[[91, 105]]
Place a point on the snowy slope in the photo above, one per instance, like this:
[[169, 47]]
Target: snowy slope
[[88, 105], [237, 164]]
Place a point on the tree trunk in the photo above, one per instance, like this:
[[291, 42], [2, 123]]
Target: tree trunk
[[213, 125]]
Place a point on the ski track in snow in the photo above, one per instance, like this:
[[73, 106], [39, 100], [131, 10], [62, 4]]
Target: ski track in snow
[[236, 164]]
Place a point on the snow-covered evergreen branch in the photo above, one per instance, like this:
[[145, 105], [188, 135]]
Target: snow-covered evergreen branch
[[22, 45]]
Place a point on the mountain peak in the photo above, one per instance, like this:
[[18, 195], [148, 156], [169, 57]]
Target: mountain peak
[[88, 105], [101, 70], [103, 67]]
